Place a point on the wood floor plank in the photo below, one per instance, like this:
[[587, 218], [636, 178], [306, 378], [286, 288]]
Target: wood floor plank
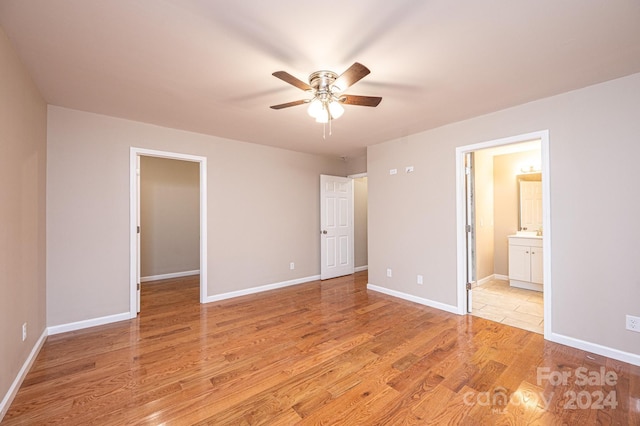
[[324, 352]]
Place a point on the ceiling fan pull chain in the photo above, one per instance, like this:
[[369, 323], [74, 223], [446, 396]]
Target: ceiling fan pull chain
[[330, 120]]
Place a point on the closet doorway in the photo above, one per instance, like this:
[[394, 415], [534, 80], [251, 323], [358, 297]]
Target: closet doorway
[[168, 219]]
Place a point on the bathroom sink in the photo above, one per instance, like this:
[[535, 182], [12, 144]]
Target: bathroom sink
[[527, 234]]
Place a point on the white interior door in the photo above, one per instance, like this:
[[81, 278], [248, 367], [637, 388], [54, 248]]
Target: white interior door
[[138, 233], [336, 226], [470, 226]]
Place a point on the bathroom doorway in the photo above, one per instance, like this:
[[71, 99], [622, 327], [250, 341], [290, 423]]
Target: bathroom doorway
[[490, 214]]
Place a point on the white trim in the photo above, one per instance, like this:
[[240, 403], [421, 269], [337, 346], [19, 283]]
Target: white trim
[[26, 366], [361, 268], [169, 276], [412, 298], [484, 280], [595, 348], [79, 325], [491, 278], [543, 136], [260, 289], [133, 194]]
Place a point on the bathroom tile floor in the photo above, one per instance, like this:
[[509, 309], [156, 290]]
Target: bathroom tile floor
[[497, 301]]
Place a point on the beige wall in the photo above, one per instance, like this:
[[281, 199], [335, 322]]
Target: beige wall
[[594, 273], [360, 221], [169, 215], [505, 169], [483, 165], [356, 165], [23, 124], [263, 211]]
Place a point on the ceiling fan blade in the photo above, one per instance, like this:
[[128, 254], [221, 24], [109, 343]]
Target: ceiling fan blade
[[289, 104], [370, 101], [286, 77], [351, 76]]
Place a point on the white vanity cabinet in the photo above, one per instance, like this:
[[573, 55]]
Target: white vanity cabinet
[[525, 262]]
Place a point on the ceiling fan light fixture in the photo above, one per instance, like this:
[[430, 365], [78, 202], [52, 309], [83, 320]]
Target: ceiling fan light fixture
[[336, 109], [323, 116], [315, 108]]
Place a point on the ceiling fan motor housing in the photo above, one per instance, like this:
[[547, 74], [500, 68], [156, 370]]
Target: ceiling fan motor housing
[[321, 82]]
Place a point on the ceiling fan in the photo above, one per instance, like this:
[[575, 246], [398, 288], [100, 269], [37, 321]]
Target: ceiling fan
[[326, 90]]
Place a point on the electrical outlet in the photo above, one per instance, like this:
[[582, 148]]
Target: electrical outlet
[[633, 323], [419, 279], [408, 169], [24, 331], [393, 171], [292, 266], [389, 272]]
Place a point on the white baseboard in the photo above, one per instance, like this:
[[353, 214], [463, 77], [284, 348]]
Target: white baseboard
[[260, 289], [595, 348], [169, 276], [491, 277], [361, 268], [79, 325], [411, 298], [15, 386], [484, 280]]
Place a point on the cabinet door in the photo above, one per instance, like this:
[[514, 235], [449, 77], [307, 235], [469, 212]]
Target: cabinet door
[[536, 265], [520, 263]]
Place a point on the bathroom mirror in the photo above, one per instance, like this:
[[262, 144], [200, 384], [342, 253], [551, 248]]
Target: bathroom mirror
[[530, 202]]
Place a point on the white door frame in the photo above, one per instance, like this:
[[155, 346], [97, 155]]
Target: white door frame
[[543, 136], [133, 219]]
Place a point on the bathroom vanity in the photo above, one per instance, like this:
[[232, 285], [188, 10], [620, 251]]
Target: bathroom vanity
[[525, 261]]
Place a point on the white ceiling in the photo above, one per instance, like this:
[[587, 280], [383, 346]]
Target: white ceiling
[[205, 65]]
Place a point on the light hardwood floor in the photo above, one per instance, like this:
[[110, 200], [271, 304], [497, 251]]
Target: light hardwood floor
[[327, 352], [497, 301]]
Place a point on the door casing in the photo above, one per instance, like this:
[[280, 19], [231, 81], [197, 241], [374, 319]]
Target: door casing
[[134, 193], [462, 260]]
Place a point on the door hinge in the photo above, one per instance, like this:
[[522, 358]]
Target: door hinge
[[468, 228], [467, 170], [138, 229], [468, 286], [138, 286]]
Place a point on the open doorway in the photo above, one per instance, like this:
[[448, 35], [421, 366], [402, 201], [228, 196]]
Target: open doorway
[[165, 196], [360, 211], [488, 215], [169, 228]]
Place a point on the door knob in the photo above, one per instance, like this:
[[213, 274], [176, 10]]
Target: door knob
[[324, 231]]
